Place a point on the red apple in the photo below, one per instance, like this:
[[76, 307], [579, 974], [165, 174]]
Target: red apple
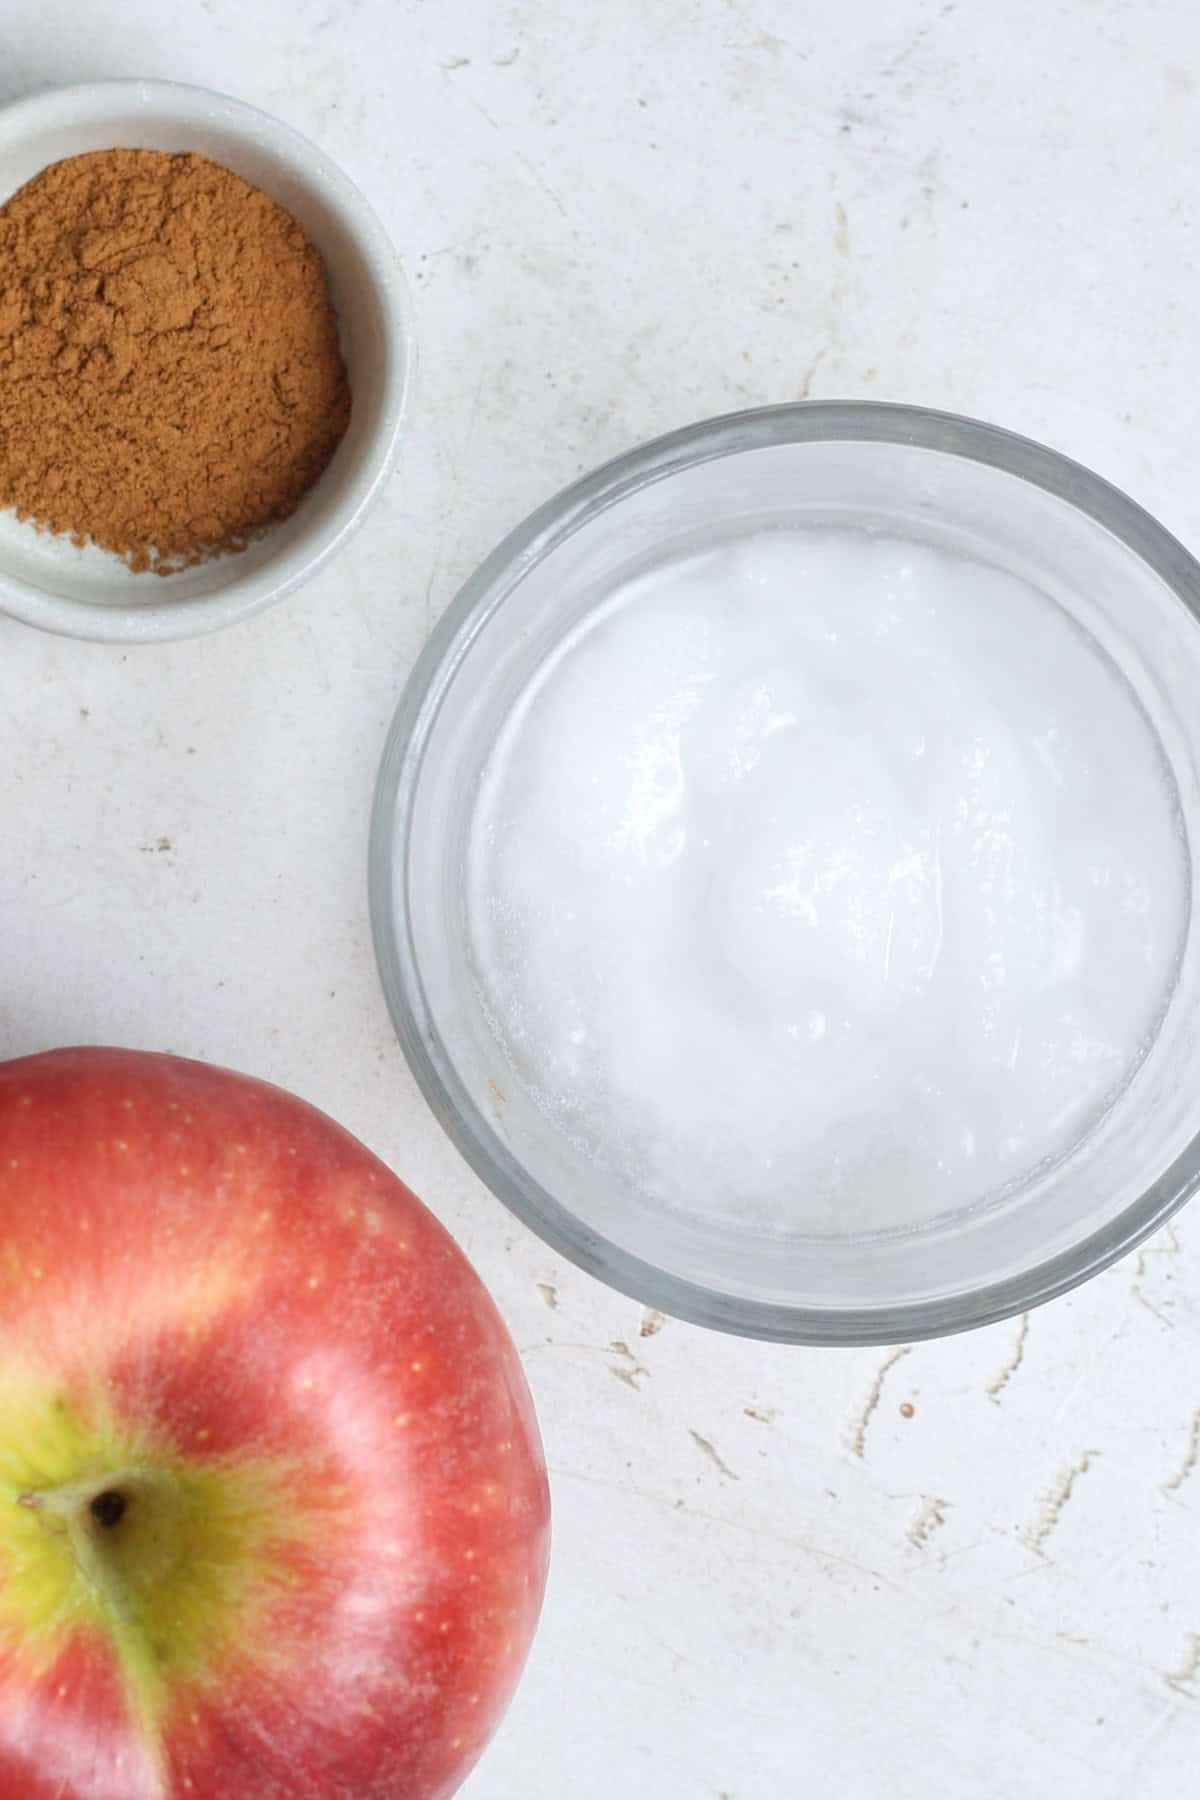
[[273, 1510]]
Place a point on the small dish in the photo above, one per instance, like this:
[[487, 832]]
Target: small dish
[[47, 581], [953, 484]]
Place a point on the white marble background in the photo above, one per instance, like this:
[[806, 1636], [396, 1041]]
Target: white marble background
[[615, 218]]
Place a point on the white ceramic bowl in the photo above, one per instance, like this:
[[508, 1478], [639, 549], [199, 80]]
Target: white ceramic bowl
[[47, 581]]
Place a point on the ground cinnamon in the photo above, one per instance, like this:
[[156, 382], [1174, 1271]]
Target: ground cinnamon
[[170, 375]]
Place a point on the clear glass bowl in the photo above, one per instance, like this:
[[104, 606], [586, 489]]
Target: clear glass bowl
[[951, 482]]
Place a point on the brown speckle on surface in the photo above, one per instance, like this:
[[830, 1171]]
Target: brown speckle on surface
[[858, 1440], [1191, 1456], [628, 1370], [1041, 1529], [930, 1517], [1183, 1678], [1012, 1362], [708, 1448]]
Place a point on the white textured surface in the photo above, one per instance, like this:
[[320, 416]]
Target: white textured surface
[[768, 1580]]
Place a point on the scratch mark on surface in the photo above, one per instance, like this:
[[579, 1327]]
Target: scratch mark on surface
[[1066, 1406], [679, 1657], [709, 1449], [1136, 1753], [802, 1546], [549, 1294], [1183, 1679], [1046, 1523], [804, 391], [1191, 1456], [531, 169], [930, 1518], [765, 1415], [426, 607], [652, 1323], [839, 289], [918, 39], [536, 176], [630, 1370], [1004, 1375], [1139, 1276], [858, 1442]]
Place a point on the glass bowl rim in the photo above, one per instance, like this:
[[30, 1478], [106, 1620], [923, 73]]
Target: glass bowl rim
[[400, 771]]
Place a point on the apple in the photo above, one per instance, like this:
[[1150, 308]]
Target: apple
[[273, 1510]]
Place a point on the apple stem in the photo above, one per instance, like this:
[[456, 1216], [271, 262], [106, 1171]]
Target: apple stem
[[88, 1511], [76, 1497]]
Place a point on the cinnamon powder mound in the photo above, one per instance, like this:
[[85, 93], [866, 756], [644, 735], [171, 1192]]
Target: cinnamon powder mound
[[170, 375]]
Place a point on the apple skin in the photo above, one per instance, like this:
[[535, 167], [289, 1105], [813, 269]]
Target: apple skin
[[335, 1549]]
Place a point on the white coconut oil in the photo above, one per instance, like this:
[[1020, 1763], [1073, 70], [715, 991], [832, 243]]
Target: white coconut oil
[[825, 876]]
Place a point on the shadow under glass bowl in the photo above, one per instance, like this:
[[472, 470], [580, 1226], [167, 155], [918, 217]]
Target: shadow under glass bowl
[[950, 482]]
